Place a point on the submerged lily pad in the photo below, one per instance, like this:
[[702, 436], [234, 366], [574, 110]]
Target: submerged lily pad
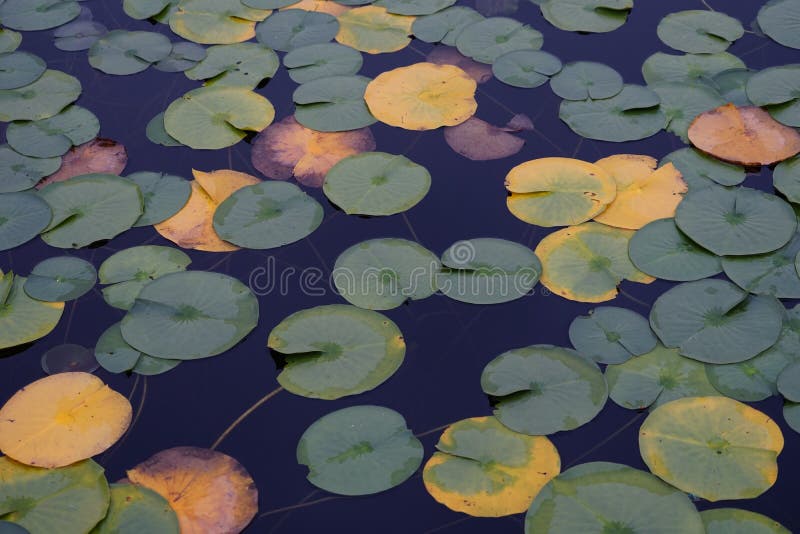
[[23, 319], [596, 16], [22, 217], [52, 137], [484, 469], [359, 450], [69, 358], [60, 279], [163, 195], [543, 389], [336, 350], [333, 104], [241, 64], [381, 274], [488, 39], [124, 52], [478, 140], [172, 319], [115, 355], [599, 496], [699, 31], [48, 95], [611, 335], [293, 28], [713, 447]]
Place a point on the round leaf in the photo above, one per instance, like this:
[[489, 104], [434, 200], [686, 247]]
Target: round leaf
[[23, 319], [581, 80], [488, 39], [60, 279], [49, 138], [611, 335], [22, 217], [699, 31]]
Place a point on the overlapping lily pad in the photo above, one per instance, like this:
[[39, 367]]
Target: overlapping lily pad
[[333, 104], [78, 35], [23, 319], [137, 509], [681, 102], [611, 335], [163, 195], [240, 64], [773, 273], [32, 15], [115, 355], [294, 28], [779, 20], [48, 95], [182, 57], [215, 21], [52, 137], [736, 521], [22, 217], [786, 179], [778, 90], [699, 31], [60, 279], [526, 68], [789, 382], [699, 170], [321, 61], [445, 26], [488, 39], [661, 67], [18, 69], [581, 80], [124, 52]]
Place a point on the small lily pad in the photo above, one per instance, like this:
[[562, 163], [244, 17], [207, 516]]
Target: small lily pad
[[60, 279], [241, 64], [526, 68], [23, 319], [581, 80], [611, 335], [314, 61], [115, 355], [18, 69], [488, 39], [294, 28], [333, 104], [53, 137], [124, 52], [699, 31]]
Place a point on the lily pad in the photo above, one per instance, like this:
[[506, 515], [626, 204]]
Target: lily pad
[[478, 140], [157, 133], [526, 68], [731, 84], [484, 469], [294, 28], [359, 450], [415, 7], [53, 137], [78, 35], [713, 447], [9, 40], [115, 355], [33, 15], [778, 90], [22, 217], [171, 319], [374, 30], [699, 170], [488, 39], [336, 350], [23, 319], [699, 31], [135, 509], [333, 104], [18, 69], [20, 172], [45, 97], [241, 65], [735, 521], [581, 80], [661, 67], [381, 274], [611, 335], [791, 413], [183, 57], [215, 21], [69, 358], [314, 61], [124, 52], [146, 9], [542, 389], [786, 179], [595, 16], [163, 195], [779, 20], [376, 183], [773, 273], [446, 25], [60, 279], [681, 102], [789, 382]]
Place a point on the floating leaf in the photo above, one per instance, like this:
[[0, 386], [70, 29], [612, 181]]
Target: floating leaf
[[713, 447], [603, 495], [478, 140], [62, 419], [22, 217], [331, 7], [779, 20], [611, 335], [336, 350], [415, 7], [68, 358], [446, 25], [192, 227], [359, 450], [163, 195], [209, 491], [381, 274], [735, 521], [661, 67], [699, 31], [423, 96], [526, 68], [115, 355], [789, 382], [98, 156], [183, 57], [70, 500], [90, 208], [786, 178], [45, 97], [18, 69], [716, 322], [681, 102], [488, 271], [558, 191], [9, 40], [699, 170], [488, 39], [333, 104], [376, 183], [661, 250], [543, 389], [146, 9], [23, 319], [597, 16], [587, 262], [484, 469], [126, 272], [660, 376], [314, 61], [767, 274], [156, 132], [287, 148], [215, 21], [778, 90], [267, 215], [736, 222], [374, 30], [33, 15], [60, 279], [171, 319], [124, 52], [581, 80], [19, 172], [135, 509], [241, 65], [731, 84], [791, 413], [294, 28], [217, 117], [49, 138]]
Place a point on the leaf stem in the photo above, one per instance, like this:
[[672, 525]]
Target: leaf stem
[[245, 415]]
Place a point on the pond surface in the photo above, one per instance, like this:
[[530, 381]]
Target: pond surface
[[449, 343]]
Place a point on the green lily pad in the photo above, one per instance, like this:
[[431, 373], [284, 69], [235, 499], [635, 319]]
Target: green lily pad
[[314, 61], [773, 273], [333, 104], [789, 382], [53, 137], [446, 25], [681, 102], [183, 57], [9, 40], [381, 274], [23, 319], [714, 321], [90, 208], [20, 68], [145, 9], [359, 450], [68, 500], [736, 222], [632, 114], [713, 447], [128, 271], [611, 335], [336, 350], [414, 7], [780, 20], [157, 133], [33, 15], [661, 67], [215, 21], [731, 84], [45, 97], [294, 28], [78, 35], [123, 52], [596, 16], [660, 376], [777, 89], [60, 279], [604, 496], [267, 215], [699, 31], [115, 356], [217, 117], [135, 509], [791, 413], [376, 183], [488, 39], [19, 172], [661, 250], [581, 80], [487, 271], [240, 64], [526, 68], [22, 217], [542, 389], [163, 195], [172, 318], [735, 521], [700, 170], [786, 179]]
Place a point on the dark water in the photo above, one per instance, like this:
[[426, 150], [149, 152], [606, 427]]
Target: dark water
[[448, 342]]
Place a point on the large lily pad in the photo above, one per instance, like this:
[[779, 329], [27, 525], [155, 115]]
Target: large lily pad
[[699, 31], [596, 16], [778, 90], [22, 217], [293, 28], [780, 20], [52, 92], [240, 64], [488, 39], [333, 104], [23, 319], [18, 69], [33, 15], [735, 521], [611, 335]]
